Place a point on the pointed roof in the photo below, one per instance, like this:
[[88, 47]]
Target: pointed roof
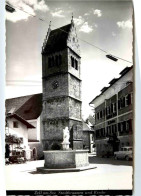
[[27, 107], [57, 39]]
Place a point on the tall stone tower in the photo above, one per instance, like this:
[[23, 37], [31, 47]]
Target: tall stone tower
[[61, 71]]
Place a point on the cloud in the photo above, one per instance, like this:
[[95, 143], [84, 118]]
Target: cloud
[[16, 16], [113, 34], [97, 12], [29, 6], [95, 25], [86, 14], [79, 20], [86, 28], [41, 6], [125, 24], [58, 13]]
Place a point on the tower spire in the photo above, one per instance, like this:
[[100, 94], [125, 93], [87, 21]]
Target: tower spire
[[49, 24], [72, 18], [46, 38]]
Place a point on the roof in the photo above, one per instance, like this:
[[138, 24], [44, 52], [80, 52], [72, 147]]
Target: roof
[[21, 120], [122, 73], [57, 39], [27, 107], [86, 127], [104, 89], [125, 70], [91, 120], [113, 81]]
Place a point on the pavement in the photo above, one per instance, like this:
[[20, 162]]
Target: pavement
[[110, 174]]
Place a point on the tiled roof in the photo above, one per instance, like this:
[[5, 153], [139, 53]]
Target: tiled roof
[[16, 103], [85, 126], [57, 40], [28, 107]]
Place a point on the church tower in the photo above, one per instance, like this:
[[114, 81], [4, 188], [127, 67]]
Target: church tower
[[61, 79]]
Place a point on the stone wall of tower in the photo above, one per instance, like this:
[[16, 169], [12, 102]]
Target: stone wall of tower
[[74, 109], [53, 133], [61, 90], [56, 108], [74, 86]]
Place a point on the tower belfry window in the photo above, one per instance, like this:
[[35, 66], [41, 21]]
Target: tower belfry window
[[76, 65], [72, 61]]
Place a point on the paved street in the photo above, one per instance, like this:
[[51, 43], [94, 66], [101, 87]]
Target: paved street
[[109, 174]]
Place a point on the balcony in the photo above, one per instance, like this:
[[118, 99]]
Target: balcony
[[13, 139]]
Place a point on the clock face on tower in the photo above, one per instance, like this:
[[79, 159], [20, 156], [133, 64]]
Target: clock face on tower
[[55, 84]]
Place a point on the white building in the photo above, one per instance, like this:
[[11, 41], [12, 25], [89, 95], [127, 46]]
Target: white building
[[27, 110], [114, 114]]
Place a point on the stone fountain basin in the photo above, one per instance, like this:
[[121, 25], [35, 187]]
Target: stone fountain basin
[[62, 159]]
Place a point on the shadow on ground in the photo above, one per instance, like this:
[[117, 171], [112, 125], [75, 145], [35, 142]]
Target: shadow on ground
[[111, 161], [35, 172]]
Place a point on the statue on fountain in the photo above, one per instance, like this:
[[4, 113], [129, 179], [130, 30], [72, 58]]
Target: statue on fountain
[[66, 136]]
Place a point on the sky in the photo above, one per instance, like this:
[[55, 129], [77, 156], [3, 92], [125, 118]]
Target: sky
[[106, 24]]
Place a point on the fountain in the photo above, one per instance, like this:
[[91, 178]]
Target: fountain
[[66, 159]]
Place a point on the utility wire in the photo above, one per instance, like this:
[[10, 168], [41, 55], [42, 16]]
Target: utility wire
[[67, 33], [36, 81]]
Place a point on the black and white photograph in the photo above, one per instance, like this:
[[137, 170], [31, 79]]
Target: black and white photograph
[[69, 97]]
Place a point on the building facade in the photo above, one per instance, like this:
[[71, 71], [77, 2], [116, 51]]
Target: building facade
[[114, 114], [28, 110], [17, 136], [61, 71]]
